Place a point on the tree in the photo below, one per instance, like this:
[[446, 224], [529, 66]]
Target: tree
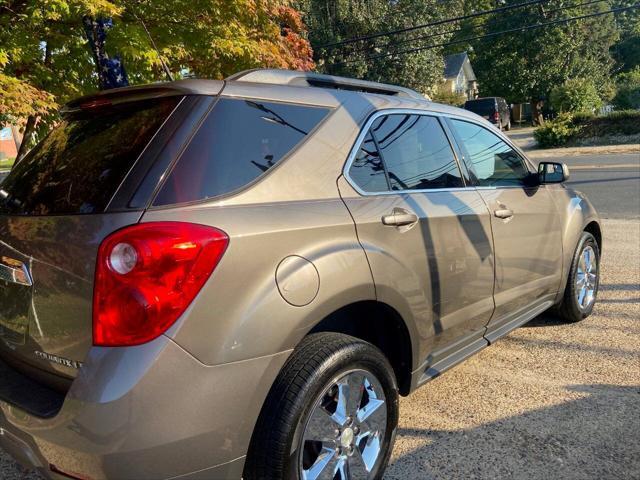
[[627, 50], [331, 21], [628, 94], [44, 50], [576, 95], [525, 66]]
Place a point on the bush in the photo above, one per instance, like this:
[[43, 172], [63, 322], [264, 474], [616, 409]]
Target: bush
[[628, 93], [449, 98], [556, 132], [615, 127], [575, 95]]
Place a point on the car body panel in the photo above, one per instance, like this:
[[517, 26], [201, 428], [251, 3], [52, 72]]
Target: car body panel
[[528, 249], [121, 417], [124, 415]]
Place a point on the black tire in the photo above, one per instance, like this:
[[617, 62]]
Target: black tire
[[569, 309], [319, 359]]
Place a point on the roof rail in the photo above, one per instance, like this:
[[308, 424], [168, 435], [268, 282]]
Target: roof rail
[[309, 79]]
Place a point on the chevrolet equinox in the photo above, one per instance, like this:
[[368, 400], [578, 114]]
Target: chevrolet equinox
[[221, 279]]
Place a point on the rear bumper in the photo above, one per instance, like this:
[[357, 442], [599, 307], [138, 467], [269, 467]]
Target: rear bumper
[[151, 411]]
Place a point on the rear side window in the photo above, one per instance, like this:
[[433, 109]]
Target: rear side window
[[78, 167], [367, 169], [412, 149], [416, 153], [238, 142]]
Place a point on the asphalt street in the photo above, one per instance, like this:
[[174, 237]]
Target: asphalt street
[[549, 400]]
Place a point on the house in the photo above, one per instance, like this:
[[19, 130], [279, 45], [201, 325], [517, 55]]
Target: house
[[9, 142], [459, 77]]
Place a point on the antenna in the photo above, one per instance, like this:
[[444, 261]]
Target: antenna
[[153, 44]]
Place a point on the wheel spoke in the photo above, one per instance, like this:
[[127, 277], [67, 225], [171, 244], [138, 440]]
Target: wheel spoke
[[368, 446], [349, 397], [324, 468], [321, 426], [357, 468], [582, 296]]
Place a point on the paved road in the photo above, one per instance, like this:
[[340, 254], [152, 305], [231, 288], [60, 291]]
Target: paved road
[[612, 182]]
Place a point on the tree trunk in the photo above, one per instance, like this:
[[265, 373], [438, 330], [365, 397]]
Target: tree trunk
[[536, 113], [29, 129]]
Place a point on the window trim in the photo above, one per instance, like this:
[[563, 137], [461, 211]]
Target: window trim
[[403, 111]]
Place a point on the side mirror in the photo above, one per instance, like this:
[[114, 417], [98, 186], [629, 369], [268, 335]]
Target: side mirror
[[552, 172]]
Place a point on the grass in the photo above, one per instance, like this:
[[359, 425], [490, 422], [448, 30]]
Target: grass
[[6, 163]]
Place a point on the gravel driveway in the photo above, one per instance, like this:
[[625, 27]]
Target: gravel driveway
[[548, 401]]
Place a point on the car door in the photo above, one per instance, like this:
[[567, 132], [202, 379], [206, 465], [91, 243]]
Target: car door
[[426, 236], [524, 220]]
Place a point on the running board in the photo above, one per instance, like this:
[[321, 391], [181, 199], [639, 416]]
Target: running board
[[520, 320], [438, 368]]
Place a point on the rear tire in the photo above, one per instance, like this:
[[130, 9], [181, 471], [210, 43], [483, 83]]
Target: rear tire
[[584, 279], [305, 425]]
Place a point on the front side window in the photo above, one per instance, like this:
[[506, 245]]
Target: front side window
[[491, 161], [236, 144]]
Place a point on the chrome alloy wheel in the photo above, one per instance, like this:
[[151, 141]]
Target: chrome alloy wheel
[[586, 278], [344, 434]]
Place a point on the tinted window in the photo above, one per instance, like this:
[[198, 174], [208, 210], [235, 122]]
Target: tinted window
[[416, 152], [491, 161], [238, 142], [80, 164], [367, 170], [483, 107]]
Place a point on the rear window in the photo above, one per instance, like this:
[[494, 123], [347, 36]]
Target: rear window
[[238, 142], [486, 106], [80, 164]]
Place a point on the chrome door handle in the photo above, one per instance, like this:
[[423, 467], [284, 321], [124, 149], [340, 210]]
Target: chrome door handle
[[503, 213], [399, 218]]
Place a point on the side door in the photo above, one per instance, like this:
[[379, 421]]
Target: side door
[[525, 223], [427, 237]]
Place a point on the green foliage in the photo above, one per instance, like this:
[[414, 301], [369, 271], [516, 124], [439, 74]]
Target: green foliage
[[448, 97], [526, 65], [623, 122], [627, 50], [628, 93], [556, 132], [568, 129], [331, 21], [44, 55], [575, 95]]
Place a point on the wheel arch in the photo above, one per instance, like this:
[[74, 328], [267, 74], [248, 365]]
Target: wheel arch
[[382, 326]]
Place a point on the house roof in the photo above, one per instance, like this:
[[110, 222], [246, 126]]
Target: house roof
[[453, 64], [456, 62]]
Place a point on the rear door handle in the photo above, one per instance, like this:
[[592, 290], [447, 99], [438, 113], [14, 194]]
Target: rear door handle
[[399, 218], [503, 213]]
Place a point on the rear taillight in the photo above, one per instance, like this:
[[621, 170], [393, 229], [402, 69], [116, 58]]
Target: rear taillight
[[496, 116], [147, 275]]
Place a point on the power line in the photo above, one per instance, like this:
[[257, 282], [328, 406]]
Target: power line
[[431, 35], [432, 24], [492, 34]]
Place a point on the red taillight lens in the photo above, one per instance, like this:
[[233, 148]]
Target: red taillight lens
[[147, 275], [496, 116]]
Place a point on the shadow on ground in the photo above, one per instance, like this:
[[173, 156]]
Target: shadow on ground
[[549, 443]]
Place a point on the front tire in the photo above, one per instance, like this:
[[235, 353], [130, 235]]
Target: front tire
[[333, 408], [584, 279]]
